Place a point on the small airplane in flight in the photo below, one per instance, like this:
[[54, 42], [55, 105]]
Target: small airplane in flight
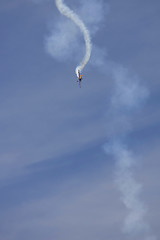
[[79, 78]]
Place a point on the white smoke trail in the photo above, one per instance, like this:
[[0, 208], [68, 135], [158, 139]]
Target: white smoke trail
[[135, 224], [129, 188], [66, 11], [128, 96]]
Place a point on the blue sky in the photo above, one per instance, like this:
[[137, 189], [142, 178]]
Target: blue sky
[[59, 154]]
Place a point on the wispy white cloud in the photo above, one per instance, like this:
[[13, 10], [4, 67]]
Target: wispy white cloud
[[62, 43]]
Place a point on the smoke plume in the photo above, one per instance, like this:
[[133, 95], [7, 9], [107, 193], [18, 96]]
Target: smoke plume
[[128, 96], [66, 11]]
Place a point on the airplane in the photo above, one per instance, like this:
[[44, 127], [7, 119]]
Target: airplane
[[79, 78]]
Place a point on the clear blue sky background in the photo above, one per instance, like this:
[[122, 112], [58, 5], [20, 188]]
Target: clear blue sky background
[[56, 181]]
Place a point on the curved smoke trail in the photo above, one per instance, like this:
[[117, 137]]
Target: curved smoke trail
[[66, 11]]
